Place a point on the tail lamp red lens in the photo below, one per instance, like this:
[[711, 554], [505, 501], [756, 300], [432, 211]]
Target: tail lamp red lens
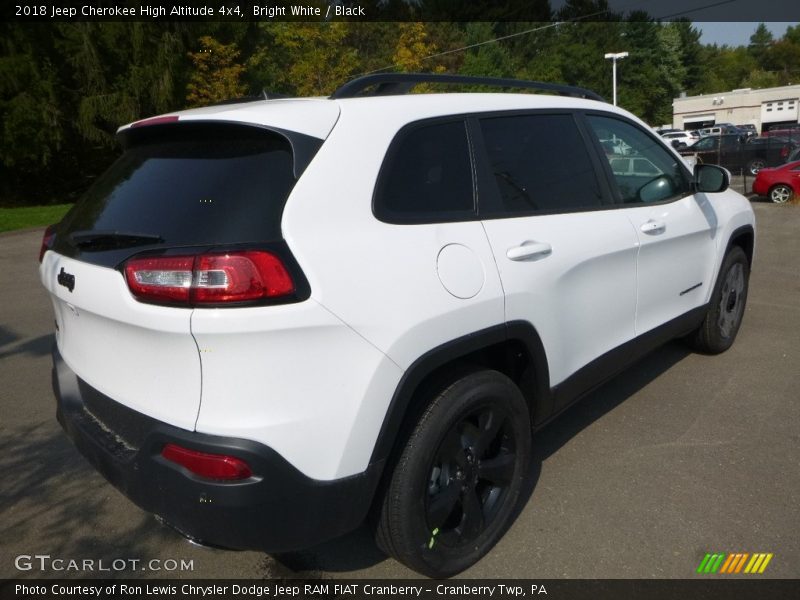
[[209, 278], [210, 466], [47, 241]]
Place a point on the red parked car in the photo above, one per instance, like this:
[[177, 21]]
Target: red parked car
[[780, 184]]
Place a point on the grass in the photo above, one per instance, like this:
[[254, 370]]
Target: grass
[[31, 216]]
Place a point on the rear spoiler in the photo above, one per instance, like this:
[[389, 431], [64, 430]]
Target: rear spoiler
[[304, 147]]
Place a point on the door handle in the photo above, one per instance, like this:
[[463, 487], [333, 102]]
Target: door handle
[[654, 227], [529, 250]]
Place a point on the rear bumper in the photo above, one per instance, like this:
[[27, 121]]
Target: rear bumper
[[278, 509]]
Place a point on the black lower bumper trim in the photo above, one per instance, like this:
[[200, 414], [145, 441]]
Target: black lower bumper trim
[[278, 509]]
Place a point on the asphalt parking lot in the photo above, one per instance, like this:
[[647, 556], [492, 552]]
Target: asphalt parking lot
[[681, 455]]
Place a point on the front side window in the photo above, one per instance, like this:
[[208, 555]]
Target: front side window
[[652, 173], [540, 163], [427, 176]]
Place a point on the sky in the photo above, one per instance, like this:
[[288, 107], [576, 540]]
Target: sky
[[735, 33]]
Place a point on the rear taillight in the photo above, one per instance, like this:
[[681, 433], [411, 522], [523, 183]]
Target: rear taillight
[[211, 466], [161, 279], [47, 241], [212, 278]]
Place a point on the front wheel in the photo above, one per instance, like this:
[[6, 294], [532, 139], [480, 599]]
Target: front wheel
[[781, 194], [457, 483], [724, 317]]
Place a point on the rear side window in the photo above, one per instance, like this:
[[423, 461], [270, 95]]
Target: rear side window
[[427, 176], [193, 185], [540, 164]]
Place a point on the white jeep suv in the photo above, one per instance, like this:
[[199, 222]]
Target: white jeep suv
[[276, 317]]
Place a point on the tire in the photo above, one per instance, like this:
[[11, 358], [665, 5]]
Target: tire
[[781, 194], [755, 165], [457, 482], [718, 330]]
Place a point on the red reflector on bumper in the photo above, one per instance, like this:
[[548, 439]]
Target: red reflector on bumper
[[210, 466]]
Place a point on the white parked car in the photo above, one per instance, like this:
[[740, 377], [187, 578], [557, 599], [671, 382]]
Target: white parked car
[[275, 317], [684, 138]]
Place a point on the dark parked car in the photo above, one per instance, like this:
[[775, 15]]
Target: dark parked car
[[748, 129], [735, 152]]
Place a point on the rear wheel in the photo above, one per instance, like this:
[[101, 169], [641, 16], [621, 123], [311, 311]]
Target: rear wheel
[[781, 194], [724, 317], [755, 165], [458, 480]]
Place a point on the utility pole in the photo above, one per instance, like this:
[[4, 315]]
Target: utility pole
[[615, 56]]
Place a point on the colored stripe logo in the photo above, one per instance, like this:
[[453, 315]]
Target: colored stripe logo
[[723, 563]]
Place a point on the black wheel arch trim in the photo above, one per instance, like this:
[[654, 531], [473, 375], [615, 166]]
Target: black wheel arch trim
[[538, 397], [748, 233]]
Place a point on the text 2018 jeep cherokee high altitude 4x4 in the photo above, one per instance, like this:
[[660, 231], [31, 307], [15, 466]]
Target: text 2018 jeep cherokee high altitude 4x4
[[276, 316]]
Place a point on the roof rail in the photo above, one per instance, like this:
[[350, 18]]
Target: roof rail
[[388, 84]]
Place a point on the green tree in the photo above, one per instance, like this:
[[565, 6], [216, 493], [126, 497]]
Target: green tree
[[119, 72], [30, 110], [759, 79], [308, 59], [489, 60], [412, 48], [691, 52], [760, 42], [727, 68], [216, 74]]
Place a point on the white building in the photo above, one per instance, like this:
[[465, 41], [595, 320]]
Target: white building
[[769, 108]]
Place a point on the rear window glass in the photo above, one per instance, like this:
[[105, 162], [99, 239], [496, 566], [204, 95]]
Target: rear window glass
[[193, 185]]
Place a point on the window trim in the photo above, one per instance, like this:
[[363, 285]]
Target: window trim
[[379, 211], [609, 174], [486, 198]]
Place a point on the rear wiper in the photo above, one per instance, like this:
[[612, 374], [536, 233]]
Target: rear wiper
[[112, 239]]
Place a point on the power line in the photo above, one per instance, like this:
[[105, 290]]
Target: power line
[[453, 51], [548, 26]]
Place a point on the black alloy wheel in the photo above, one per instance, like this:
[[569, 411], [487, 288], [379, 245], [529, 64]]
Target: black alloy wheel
[[456, 484], [470, 477]]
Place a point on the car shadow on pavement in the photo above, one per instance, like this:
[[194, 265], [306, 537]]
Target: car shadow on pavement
[[40, 346], [357, 550], [58, 504], [607, 397]]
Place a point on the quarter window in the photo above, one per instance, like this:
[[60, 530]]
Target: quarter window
[[540, 164], [643, 169], [428, 176]]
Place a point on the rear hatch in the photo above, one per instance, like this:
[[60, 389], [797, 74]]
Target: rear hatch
[[179, 190]]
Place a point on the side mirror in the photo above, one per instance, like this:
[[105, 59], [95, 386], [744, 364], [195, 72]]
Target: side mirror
[[657, 189], [710, 179]]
